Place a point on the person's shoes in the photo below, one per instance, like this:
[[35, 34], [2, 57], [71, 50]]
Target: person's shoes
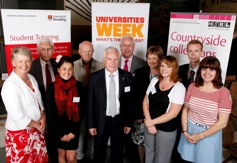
[[86, 160]]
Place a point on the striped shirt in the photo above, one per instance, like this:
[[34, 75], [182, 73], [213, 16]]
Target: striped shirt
[[204, 107]]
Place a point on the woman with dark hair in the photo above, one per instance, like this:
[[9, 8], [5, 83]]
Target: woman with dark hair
[[162, 103], [64, 100], [205, 113]]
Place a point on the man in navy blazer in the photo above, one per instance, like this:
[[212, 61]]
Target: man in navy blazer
[[101, 123], [127, 46]]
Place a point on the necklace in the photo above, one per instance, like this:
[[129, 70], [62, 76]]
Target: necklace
[[166, 85], [28, 81]]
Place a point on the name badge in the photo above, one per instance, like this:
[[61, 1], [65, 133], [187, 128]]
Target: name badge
[[76, 99], [153, 90], [127, 89]]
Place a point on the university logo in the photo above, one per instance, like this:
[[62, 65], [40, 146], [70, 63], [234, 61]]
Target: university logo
[[219, 24]]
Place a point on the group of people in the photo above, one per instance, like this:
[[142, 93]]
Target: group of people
[[153, 112]]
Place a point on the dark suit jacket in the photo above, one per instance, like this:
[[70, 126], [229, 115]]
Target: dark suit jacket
[[141, 82], [136, 63], [97, 99], [183, 75], [36, 71]]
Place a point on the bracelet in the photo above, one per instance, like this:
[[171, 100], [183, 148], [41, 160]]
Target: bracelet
[[184, 131]]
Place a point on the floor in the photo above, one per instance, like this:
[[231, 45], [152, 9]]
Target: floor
[[226, 154]]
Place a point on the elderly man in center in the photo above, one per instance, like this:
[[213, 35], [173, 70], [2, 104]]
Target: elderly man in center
[[109, 107]]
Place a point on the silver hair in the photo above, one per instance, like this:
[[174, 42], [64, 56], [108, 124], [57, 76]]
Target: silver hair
[[85, 42], [45, 40], [109, 49], [125, 37], [21, 50]]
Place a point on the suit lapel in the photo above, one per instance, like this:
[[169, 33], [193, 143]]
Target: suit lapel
[[53, 63], [39, 72], [133, 64], [103, 82], [121, 82]]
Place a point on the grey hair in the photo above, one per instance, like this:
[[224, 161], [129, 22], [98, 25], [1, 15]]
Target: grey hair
[[45, 40], [86, 42], [21, 50], [109, 49], [127, 37]]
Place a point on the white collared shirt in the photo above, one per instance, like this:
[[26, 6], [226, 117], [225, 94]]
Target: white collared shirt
[[129, 62], [116, 81]]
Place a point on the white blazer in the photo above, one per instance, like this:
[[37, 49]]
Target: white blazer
[[21, 103]]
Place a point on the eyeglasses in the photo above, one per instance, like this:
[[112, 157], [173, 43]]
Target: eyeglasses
[[127, 46], [46, 49]]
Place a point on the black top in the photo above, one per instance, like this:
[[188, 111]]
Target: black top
[[158, 104], [141, 82], [60, 124]]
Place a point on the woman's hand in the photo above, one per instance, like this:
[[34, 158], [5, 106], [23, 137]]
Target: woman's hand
[[152, 130], [64, 138], [194, 138], [42, 122], [70, 136]]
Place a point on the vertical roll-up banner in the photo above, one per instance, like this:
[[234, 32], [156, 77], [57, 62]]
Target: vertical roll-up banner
[[214, 30], [111, 21], [26, 27]]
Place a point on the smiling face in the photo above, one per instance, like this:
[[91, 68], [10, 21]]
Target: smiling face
[[165, 70], [65, 71], [111, 60], [21, 64], [208, 74], [152, 60], [86, 51], [127, 47], [45, 50]]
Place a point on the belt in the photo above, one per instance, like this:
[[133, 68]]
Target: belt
[[199, 125]]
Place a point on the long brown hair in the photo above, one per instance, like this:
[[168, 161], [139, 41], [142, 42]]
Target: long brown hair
[[211, 63]]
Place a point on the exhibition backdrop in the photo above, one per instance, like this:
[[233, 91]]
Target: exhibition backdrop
[[111, 21], [26, 27], [215, 31]]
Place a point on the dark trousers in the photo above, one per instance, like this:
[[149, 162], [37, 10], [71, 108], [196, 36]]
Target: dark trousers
[[113, 128], [130, 150], [51, 147]]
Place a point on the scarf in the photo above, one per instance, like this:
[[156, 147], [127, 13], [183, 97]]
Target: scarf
[[64, 93]]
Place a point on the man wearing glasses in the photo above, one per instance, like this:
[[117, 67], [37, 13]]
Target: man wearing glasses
[[128, 61]]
